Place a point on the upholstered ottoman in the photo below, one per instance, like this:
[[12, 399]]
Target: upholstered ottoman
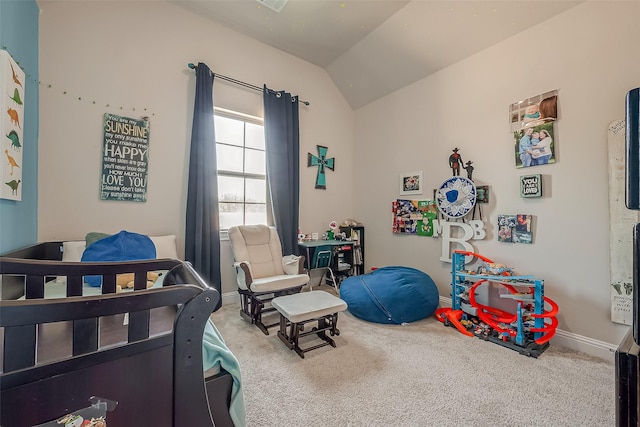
[[297, 309]]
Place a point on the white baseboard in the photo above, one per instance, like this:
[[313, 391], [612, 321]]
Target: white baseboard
[[230, 298], [580, 343], [596, 348]]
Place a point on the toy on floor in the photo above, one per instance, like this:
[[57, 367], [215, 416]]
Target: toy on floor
[[527, 331]]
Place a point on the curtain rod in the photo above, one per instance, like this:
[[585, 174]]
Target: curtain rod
[[241, 83]]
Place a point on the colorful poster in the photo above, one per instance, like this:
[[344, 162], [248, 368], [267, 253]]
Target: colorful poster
[[12, 88], [414, 216], [125, 159], [532, 125]]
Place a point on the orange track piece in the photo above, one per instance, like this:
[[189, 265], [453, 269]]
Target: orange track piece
[[454, 317]]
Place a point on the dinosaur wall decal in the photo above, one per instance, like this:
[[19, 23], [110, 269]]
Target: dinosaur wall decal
[[16, 80], [15, 140], [13, 102], [16, 97], [13, 184], [13, 115], [12, 161]]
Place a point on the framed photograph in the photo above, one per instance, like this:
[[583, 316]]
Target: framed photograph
[[411, 183], [482, 195], [532, 122], [535, 145], [515, 228], [534, 111]]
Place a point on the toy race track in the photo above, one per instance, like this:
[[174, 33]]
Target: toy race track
[[527, 331]]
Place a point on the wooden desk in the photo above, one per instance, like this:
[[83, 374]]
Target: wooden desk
[[305, 248]]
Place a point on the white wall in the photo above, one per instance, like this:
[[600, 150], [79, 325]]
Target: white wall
[[590, 54], [135, 55]]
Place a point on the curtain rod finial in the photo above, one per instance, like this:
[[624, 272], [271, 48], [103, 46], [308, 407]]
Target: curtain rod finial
[[191, 65]]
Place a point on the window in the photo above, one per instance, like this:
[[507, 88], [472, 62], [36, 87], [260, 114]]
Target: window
[[242, 185]]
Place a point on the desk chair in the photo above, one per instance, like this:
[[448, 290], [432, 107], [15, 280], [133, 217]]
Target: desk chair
[[262, 272], [323, 260]]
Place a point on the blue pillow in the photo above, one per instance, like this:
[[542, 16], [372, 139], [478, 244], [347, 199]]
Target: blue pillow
[[392, 295], [124, 246]]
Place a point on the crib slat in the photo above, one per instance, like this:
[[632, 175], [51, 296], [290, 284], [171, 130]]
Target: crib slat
[[34, 287], [19, 347], [85, 336], [140, 280], [74, 286], [138, 325], [109, 284]]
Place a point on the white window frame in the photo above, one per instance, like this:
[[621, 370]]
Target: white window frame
[[223, 112]]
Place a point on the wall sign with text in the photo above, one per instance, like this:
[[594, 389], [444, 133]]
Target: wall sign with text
[[531, 186], [125, 159]]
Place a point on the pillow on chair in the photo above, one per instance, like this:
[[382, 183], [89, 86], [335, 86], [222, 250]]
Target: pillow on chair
[[290, 264]]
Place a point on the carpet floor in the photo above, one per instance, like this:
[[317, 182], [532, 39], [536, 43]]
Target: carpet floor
[[420, 374]]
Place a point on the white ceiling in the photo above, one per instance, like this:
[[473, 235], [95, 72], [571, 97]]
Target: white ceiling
[[371, 48]]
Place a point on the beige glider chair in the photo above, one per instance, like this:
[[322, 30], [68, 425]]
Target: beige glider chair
[[263, 273]]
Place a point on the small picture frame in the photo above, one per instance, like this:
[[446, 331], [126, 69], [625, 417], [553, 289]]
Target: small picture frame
[[411, 183], [531, 185], [482, 194]]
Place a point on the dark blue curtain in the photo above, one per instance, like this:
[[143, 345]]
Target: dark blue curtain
[[282, 140], [202, 240]]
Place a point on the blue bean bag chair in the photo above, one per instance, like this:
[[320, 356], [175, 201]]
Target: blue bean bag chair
[[392, 295]]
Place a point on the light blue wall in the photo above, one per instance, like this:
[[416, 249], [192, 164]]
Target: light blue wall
[[19, 36]]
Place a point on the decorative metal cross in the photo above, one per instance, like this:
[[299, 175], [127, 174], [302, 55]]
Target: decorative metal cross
[[322, 162]]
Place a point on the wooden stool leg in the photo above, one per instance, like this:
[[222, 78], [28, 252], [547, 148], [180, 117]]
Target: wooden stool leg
[[323, 326], [295, 337], [334, 325]]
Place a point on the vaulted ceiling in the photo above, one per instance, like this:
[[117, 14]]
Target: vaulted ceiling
[[371, 48]]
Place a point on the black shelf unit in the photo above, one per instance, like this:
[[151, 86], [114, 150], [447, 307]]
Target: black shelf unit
[[358, 268]]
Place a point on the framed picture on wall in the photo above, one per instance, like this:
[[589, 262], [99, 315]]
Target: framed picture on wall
[[534, 111], [411, 183], [482, 195], [532, 125], [535, 145]]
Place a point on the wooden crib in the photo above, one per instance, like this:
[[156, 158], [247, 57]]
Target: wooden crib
[[141, 351]]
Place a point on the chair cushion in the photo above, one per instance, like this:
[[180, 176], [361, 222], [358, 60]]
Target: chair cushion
[[308, 305], [258, 245], [278, 283], [391, 295]]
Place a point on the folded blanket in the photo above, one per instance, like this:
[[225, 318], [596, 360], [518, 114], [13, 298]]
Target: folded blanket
[[215, 352], [123, 246]]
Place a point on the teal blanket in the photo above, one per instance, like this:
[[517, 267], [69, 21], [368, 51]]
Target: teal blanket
[[216, 353]]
